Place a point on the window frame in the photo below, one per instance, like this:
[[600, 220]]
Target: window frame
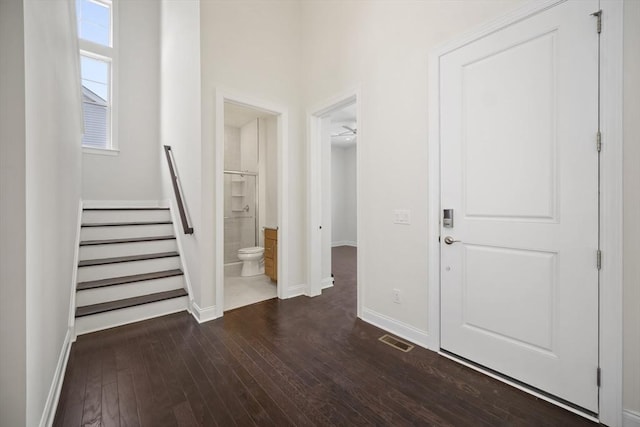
[[109, 54]]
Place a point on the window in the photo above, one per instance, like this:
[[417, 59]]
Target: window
[[97, 68]]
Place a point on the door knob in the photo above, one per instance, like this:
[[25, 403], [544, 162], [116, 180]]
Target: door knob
[[449, 240]]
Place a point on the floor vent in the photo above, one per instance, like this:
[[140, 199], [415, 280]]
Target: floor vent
[[396, 343]]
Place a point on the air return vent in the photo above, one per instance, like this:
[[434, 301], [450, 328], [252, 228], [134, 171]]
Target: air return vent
[[396, 343]]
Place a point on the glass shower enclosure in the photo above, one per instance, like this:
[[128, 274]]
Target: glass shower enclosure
[[240, 212]]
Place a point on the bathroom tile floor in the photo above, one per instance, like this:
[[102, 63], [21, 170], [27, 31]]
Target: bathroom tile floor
[[240, 291]]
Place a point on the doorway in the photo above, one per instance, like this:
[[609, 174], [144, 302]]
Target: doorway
[[335, 138], [250, 205], [340, 202], [251, 201]]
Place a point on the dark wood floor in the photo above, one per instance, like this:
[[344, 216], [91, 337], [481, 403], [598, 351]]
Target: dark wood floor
[[304, 361]]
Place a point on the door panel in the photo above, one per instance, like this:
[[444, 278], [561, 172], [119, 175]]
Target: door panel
[[494, 87], [519, 291]]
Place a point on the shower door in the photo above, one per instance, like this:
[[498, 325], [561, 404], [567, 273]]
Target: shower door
[[240, 213]]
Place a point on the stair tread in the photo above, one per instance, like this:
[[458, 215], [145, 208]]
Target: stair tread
[[114, 260], [93, 284], [114, 224], [125, 240], [129, 302], [140, 208]]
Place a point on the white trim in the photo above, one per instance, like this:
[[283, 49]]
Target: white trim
[[87, 204], [183, 264], [297, 290], [610, 347], [51, 405], [518, 386], [314, 183], [204, 314], [110, 54], [74, 274], [100, 151], [344, 243], [223, 95], [327, 282], [396, 327], [76, 72], [630, 419], [611, 212]]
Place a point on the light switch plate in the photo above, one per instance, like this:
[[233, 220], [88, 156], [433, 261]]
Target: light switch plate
[[402, 216]]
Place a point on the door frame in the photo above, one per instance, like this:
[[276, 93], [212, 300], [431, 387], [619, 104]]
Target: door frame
[[314, 187], [611, 173], [223, 95]]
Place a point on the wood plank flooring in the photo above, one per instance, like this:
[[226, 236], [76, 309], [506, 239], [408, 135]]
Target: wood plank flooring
[[303, 362]]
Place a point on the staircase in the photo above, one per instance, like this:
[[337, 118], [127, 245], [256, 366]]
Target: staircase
[[129, 267]]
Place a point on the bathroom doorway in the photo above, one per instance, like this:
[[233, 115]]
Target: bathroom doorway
[[249, 208]]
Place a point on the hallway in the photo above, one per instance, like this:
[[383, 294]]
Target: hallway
[[304, 361]]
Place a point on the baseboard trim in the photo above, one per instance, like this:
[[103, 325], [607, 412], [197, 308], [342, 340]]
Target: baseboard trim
[[344, 243], [126, 204], [297, 290], [327, 283], [204, 314], [401, 329], [51, 405], [74, 274], [630, 418]]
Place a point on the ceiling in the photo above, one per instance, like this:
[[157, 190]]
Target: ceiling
[[340, 118], [237, 115]]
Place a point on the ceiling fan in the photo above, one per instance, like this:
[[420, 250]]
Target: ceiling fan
[[348, 132]]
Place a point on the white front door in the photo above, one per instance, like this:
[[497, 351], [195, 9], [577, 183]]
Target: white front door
[[519, 168]]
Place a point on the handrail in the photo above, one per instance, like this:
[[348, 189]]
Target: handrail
[[176, 190]]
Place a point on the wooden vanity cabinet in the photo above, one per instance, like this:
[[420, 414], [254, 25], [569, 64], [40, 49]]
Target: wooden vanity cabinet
[[271, 253]]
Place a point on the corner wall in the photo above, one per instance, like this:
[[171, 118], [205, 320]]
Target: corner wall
[[133, 174], [13, 369], [382, 48], [53, 126], [253, 48], [180, 125], [343, 191]]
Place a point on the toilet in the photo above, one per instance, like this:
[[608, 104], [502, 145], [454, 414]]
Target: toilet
[[252, 263]]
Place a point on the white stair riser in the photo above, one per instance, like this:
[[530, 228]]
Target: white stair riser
[[128, 290], [120, 232], [126, 249], [125, 216], [120, 269], [123, 316]]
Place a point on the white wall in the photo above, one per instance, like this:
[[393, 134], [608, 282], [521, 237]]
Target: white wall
[[382, 48], [12, 216], [53, 123], [269, 157], [134, 174], [180, 128], [631, 393], [231, 148], [343, 189], [252, 48]]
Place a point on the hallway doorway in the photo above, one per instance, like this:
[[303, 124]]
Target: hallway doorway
[[333, 188]]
